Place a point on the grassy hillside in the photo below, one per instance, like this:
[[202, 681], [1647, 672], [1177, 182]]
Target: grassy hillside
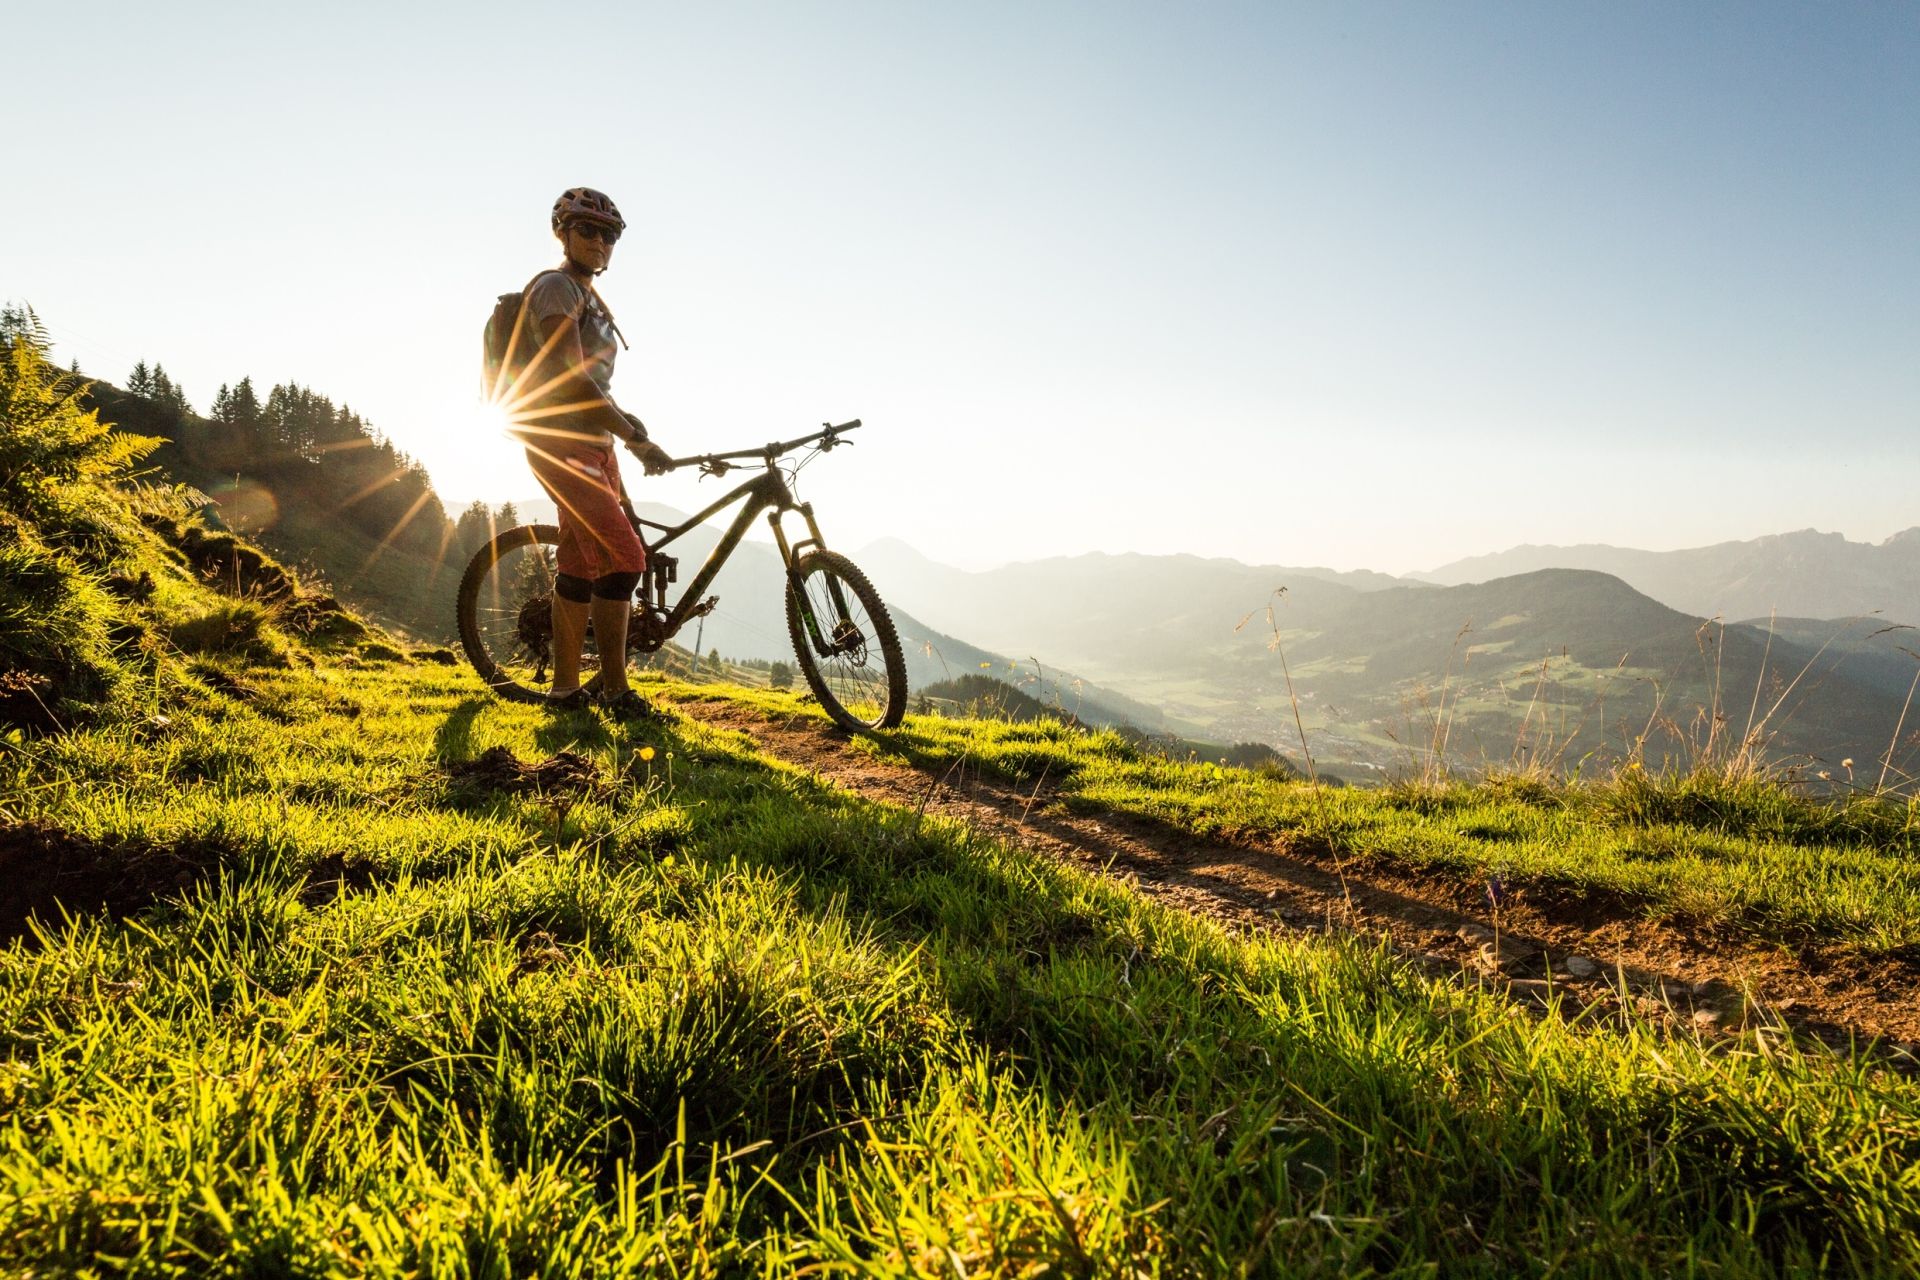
[[1726, 854], [332, 965], [317, 487], [439, 983]]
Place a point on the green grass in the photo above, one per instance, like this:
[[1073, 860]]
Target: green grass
[[711, 1017], [1748, 856]]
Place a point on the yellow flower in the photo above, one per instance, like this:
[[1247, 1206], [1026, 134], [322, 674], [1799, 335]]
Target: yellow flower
[[646, 753]]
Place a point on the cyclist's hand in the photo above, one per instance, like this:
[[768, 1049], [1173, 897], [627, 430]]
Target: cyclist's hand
[[653, 459]]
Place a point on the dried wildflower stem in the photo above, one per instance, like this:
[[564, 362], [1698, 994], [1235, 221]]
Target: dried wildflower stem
[[1273, 625]]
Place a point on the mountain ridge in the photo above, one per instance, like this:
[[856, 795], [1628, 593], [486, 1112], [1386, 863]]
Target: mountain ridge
[[1798, 573]]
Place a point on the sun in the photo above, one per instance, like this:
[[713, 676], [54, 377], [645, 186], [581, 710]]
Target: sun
[[492, 420], [470, 455]]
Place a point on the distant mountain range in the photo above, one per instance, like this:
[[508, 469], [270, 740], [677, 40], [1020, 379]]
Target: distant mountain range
[[1807, 574], [1567, 663]]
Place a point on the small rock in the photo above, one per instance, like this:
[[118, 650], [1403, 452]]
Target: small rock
[[1473, 934], [1501, 959], [1581, 967], [1707, 1019]]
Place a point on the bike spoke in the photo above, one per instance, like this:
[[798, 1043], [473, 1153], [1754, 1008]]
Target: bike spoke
[[853, 671]]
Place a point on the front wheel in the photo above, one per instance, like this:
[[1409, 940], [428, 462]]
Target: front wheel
[[845, 641]]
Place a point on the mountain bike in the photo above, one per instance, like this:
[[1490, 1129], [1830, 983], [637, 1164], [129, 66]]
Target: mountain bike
[[843, 638]]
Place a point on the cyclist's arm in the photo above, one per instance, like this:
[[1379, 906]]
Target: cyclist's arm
[[593, 404]]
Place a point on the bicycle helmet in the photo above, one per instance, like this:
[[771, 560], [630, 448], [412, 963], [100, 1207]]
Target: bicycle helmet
[[584, 204]]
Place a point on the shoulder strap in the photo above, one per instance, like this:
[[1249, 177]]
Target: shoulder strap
[[527, 288], [607, 311], [588, 294]]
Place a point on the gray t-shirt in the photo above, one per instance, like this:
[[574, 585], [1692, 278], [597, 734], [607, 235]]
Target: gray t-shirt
[[555, 293]]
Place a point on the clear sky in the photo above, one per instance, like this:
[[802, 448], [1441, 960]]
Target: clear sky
[[1357, 285]]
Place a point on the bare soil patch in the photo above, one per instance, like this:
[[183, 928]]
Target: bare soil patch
[[498, 769], [47, 869], [1597, 955]]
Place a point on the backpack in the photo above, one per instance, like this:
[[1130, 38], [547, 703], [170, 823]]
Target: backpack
[[506, 348]]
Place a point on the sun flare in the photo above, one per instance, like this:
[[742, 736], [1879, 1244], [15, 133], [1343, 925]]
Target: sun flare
[[470, 454]]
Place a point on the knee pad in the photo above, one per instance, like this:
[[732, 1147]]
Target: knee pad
[[615, 586], [569, 587]]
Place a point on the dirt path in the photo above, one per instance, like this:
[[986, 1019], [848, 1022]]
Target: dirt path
[[1593, 958]]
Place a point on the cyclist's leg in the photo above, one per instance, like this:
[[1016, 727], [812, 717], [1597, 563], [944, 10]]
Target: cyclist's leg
[[599, 544], [571, 597], [567, 473], [612, 609], [618, 558]]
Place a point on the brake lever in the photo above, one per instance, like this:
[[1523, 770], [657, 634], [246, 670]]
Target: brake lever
[[715, 467]]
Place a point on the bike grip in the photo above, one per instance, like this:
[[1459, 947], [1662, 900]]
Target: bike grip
[[845, 426]]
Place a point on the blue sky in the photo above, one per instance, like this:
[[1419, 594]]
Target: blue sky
[[1362, 286]]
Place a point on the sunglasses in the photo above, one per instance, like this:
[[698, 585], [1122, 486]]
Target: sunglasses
[[594, 231]]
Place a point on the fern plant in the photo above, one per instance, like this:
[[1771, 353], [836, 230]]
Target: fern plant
[[63, 524], [55, 453]]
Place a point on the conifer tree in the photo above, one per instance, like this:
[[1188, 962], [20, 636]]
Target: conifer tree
[[246, 405], [475, 526], [140, 381], [169, 392]]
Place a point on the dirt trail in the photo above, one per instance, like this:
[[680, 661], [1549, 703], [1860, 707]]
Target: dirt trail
[[1592, 956]]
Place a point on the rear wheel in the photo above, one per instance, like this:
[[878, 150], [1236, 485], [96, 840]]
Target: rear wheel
[[845, 642], [506, 613]]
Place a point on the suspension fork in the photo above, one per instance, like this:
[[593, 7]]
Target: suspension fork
[[790, 556]]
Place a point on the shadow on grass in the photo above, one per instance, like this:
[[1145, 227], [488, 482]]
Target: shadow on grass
[[453, 740]]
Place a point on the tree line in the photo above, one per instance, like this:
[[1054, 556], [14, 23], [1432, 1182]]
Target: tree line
[[154, 384], [308, 451]]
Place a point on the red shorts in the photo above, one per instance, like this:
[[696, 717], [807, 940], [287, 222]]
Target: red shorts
[[584, 482]]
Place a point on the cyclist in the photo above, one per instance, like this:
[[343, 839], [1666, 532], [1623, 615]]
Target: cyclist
[[569, 432]]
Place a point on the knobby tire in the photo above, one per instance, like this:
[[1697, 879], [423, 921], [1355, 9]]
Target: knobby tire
[[485, 662], [835, 679]]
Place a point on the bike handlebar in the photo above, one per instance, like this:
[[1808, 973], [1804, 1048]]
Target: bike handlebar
[[768, 452]]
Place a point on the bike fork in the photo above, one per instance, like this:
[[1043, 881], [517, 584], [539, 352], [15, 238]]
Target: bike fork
[[790, 555]]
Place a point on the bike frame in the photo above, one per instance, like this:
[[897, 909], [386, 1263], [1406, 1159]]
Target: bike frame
[[766, 492]]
